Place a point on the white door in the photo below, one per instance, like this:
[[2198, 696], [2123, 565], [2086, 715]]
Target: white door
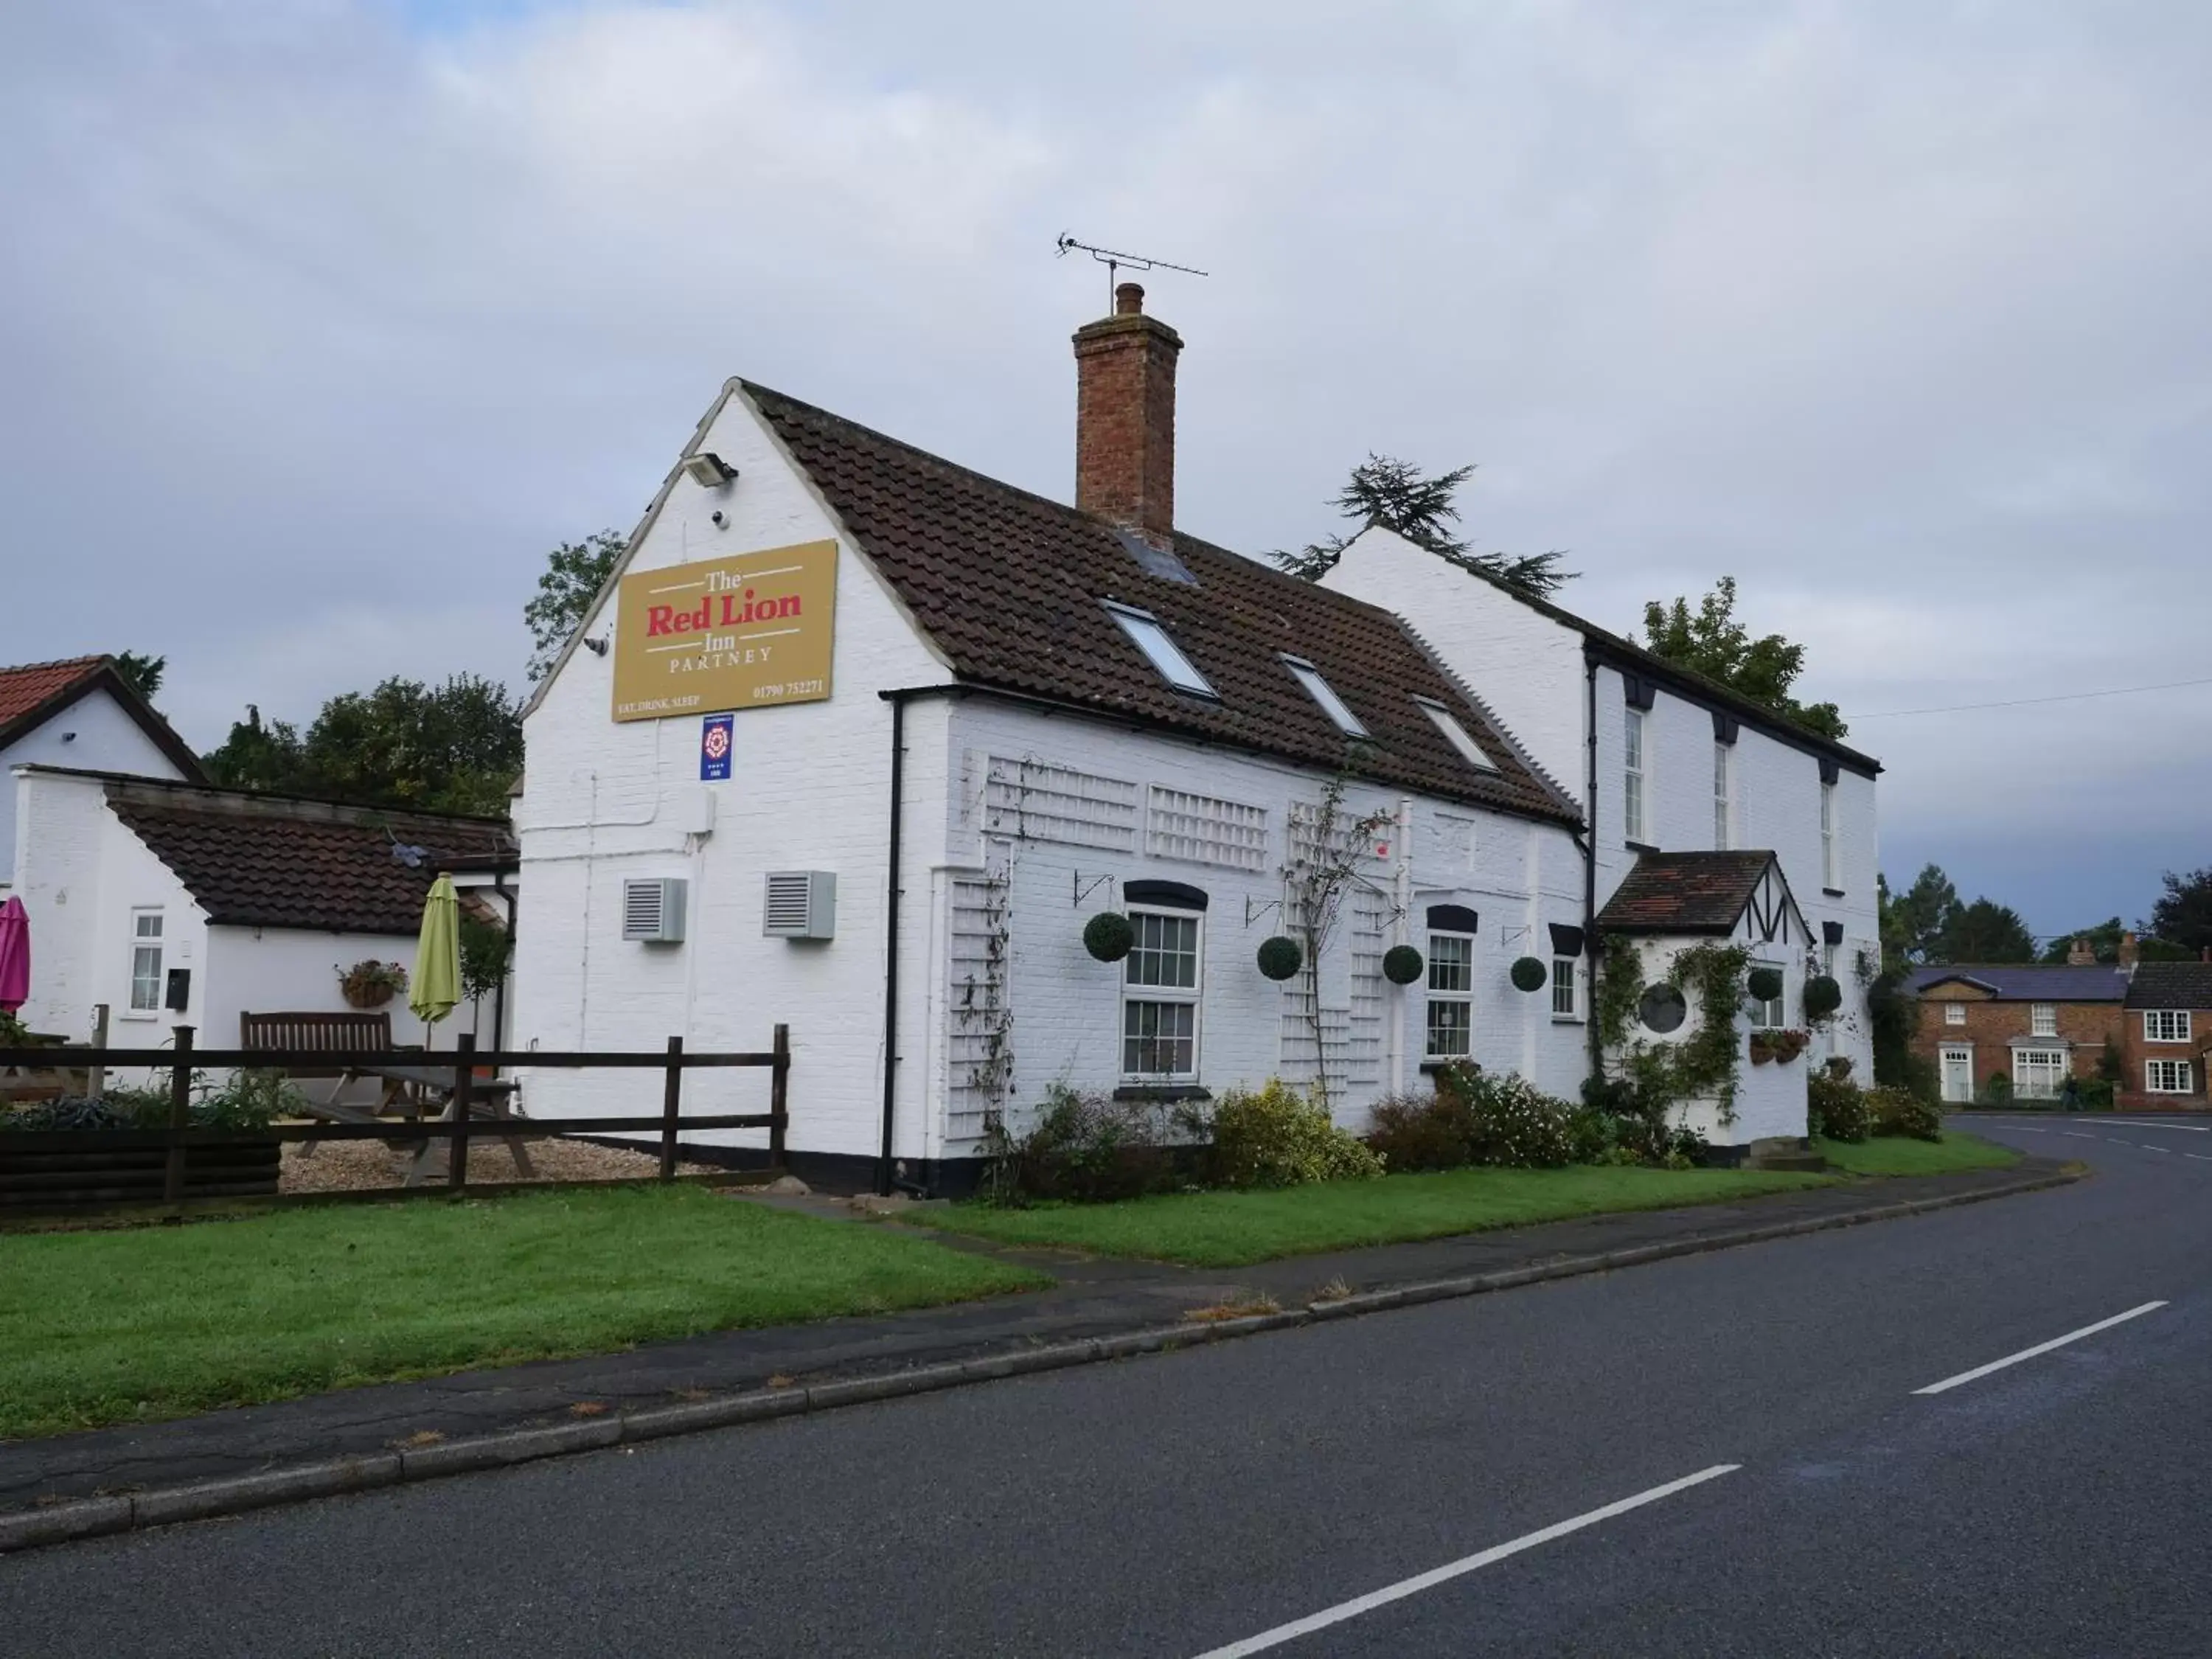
[[1958, 1075]]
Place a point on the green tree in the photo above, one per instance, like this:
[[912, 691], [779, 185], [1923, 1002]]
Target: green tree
[[258, 756], [1913, 922], [144, 673], [1710, 641], [455, 748], [452, 748], [1985, 931], [1400, 497], [2183, 915], [575, 574]]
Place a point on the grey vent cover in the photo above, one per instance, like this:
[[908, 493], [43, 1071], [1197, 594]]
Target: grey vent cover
[[653, 909], [801, 904]]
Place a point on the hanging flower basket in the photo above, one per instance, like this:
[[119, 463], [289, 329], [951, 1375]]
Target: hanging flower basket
[[1766, 984], [1108, 935], [1788, 1045], [371, 984], [1281, 957], [1401, 964], [1823, 996], [1529, 975]]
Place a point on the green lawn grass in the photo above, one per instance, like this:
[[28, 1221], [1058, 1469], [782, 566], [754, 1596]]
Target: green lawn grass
[[101, 1327], [1896, 1155], [1232, 1229]]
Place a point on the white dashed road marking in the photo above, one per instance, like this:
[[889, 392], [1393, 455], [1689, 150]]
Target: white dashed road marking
[[2040, 1348]]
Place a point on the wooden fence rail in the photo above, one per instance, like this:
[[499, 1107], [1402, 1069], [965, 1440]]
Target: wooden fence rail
[[182, 1059]]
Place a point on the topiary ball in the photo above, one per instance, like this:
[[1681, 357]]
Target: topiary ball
[[1765, 984], [1281, 957], [1108, 936], [1823, 996], [1401, 964], [1529, 975]]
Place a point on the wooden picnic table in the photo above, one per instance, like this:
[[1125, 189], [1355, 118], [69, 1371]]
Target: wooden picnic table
[[410, 1090]]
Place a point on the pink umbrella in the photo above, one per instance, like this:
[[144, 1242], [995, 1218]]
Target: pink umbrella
[[15, 955]]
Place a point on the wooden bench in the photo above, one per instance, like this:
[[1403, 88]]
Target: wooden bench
[[326, 1034]]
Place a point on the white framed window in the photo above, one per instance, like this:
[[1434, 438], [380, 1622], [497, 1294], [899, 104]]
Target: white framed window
[[1566, 988], [1774, 1015], [1954, 1013], [1830, 870], [1145, 633], [2043, 1020], [1451, 996], [1160, 984], [146, 962], [2168, 1077], [1632, 779], [2165, 1024], [2038, 1073], [1456, 735], [1325, 694], [1723, 812]]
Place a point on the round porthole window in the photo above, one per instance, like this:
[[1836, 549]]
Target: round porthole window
[[1663, 1008]]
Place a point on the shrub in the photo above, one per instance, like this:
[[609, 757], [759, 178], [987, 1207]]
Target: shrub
[[1279, 957], [1529, 974], [1639, 1129], [1998, 1090], [1108, 935], [1894, 1112], [1836, 1107], [1823, 996], [2096, 1094], [1765, 983], [1512, 1123], [1432, 1131], [1084, 1149], [1401, 964], [1278, 1138]]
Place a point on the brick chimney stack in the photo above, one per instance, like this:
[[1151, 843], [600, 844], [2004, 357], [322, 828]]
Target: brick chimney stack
[[2080, 954], [2129, 951], [1125, 370]]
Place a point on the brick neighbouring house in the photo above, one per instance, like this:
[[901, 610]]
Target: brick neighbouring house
[[2165, 1037], [2034, 1024]]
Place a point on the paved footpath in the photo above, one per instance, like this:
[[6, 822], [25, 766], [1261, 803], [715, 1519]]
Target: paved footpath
[[1096, 1298]]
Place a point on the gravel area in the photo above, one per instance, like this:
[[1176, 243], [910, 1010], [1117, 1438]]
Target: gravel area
[[359, 1165]]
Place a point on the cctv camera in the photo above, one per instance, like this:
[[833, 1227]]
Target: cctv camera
[[721, 519]]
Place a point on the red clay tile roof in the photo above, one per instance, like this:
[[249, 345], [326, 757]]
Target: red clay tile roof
[[1684, 893], [32, 692], [1010, 586], [270, 861], [35, 683]]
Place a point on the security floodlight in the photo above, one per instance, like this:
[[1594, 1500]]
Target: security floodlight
[[709, 470]]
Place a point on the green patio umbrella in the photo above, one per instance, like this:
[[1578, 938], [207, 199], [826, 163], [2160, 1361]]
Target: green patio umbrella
[[435, 986]]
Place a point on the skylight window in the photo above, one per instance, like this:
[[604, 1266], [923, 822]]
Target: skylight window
[[1324, 694], [1447, 723], [1146, 634]]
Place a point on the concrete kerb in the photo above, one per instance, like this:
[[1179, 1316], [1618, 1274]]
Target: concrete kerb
[[94, 1517]]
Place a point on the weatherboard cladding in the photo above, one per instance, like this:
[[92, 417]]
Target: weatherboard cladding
[[1011, 589], [1684, 893], [259, 862]]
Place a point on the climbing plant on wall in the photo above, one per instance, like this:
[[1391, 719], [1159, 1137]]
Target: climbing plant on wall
[[1707, 1065]]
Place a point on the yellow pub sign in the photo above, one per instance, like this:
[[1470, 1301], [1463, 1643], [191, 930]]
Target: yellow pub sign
[[728, 633]]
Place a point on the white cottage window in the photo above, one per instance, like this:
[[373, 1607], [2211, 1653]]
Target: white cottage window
[[1160, 986], [1451, 996], [1774, 1015], [146, 962], [1631, 781], [1830, 869], [2167, 1077], [2166, 1025], [1723, 803]]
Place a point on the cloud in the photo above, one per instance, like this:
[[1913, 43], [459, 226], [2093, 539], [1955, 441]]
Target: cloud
[[329, 318]]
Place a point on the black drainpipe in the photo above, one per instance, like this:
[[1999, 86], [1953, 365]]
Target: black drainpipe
[[1590, 944], [883, 1185]]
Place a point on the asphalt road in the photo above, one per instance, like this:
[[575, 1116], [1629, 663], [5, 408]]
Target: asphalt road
[[1188, 1504]]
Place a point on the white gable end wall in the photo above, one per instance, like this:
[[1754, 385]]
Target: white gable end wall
[[1527, 669], [94, 733], [809, 790]]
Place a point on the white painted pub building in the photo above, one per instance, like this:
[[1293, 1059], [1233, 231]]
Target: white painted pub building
[[860, 741]]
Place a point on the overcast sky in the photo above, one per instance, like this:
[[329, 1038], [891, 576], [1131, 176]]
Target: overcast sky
[[322, 320]]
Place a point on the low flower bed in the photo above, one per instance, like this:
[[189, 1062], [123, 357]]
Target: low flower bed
[[52, 1156]]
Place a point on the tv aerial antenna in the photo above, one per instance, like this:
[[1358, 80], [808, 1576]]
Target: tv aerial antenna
[[1114, 260]]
